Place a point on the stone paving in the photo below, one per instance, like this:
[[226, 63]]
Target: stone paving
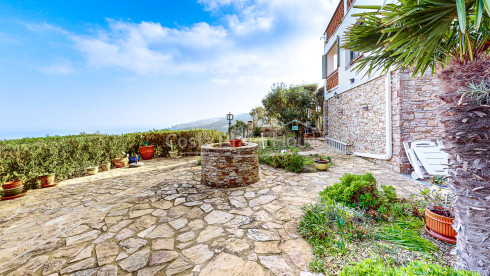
[[160, 220]]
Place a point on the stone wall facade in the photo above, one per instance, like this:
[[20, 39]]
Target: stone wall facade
[[414, 107], [225, 167]]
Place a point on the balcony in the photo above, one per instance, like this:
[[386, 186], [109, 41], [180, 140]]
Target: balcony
[[333, 80], [336, 20]]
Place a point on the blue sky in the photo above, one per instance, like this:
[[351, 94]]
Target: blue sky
[[117, 66]]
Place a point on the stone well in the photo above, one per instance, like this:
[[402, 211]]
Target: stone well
[[224, 166]]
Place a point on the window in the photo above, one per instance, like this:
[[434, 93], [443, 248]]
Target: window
[[330, 61]]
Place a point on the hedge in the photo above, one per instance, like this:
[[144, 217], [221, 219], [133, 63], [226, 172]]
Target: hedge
[[69, 156]]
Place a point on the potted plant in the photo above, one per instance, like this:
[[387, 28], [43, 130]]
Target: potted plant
[[439, 216], [47, 180], [92, 170], [121, 162], [322, 163], [147, 151], [235, 143], [13, 186], [174, 152], [105, 166]]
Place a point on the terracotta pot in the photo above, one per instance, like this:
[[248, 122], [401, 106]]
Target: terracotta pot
[[105, 166], [121, 162], [92, 170], [13, 191], [47, 179], [147, 152], [12, 184], [321, 165], [174, 154], [235, 143], [439, 226]]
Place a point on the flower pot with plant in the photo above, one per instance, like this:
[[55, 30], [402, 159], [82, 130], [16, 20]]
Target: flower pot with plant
[[13, 186], [92, 170], [47, 179], [439, 216], [121, 162], [147, 151], [322, 163], [174, 152], [105, 166], [235, 143]]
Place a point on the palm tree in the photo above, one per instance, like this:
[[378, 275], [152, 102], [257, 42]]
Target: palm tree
[[450, 38]]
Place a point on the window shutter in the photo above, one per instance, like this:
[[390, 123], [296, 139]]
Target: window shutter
[[338, 51], [324, 66]]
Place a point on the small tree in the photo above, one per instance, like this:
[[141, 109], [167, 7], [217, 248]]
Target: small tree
[[291, 104], [238, 129], [258, 116]]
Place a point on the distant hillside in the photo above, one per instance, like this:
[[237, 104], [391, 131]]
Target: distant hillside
[[219, 123]]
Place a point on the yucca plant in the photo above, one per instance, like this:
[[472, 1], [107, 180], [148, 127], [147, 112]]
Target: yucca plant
[[451, 39]]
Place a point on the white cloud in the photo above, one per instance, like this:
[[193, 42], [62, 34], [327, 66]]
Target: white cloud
[[64, 67], [215, 4]]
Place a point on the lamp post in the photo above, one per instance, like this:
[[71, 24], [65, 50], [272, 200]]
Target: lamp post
[[229, 117]]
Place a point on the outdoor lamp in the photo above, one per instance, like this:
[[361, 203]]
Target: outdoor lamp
[[229, 117]]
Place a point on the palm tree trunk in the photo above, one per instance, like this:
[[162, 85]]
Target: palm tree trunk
[[466, 137]]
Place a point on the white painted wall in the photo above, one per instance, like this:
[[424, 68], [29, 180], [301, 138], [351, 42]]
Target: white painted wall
[[345, 74]]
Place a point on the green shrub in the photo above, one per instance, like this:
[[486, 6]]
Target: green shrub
[[361, 191], [69, 156], [290, 162], [377, 267]]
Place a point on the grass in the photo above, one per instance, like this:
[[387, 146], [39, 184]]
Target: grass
[[405, 234]]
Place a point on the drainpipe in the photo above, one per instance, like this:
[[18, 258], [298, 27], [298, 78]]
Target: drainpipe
[[389, 143]]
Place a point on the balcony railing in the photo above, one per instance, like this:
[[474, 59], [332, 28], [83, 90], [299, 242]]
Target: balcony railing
[[333, 80], [336, 20]]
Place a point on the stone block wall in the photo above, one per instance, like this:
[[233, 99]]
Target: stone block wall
[[414, 107], [224, 166]]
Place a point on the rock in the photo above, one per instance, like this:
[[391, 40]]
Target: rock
[[161, 257], [135, 261], [261, 200], [299, 251], [131, 245], [276, 264], [226, 264], [268, 247], [121, 256], [142, 223], [53, 265], [179, 223], [206, 207], [218, 217], [163, 204], [32, 265], [198, 254], [139, 213], [162, 244], [283, 215], [188, 236], [196, 224], [108, 270], [178, 266], [106, 252], [238, 202], [75, 231], [210, 233], [68, 252], [194, 213], [145, 232], [177, 211], [124, 234], [263, 235], [179, 200], [249, 194], [150, 271], [85, 253], [121, 212], [120, 225], [104, 237], [82, 237], [161, 231], [236, 245], [84, 264], [86, 272], [307, 273]]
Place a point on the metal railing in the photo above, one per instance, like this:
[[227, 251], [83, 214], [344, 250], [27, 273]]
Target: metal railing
[[338, 145]]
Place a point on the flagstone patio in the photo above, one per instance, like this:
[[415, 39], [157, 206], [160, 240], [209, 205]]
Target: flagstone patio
[[160, 220]]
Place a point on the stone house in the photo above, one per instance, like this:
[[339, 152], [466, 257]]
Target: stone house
[[371, 116]]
